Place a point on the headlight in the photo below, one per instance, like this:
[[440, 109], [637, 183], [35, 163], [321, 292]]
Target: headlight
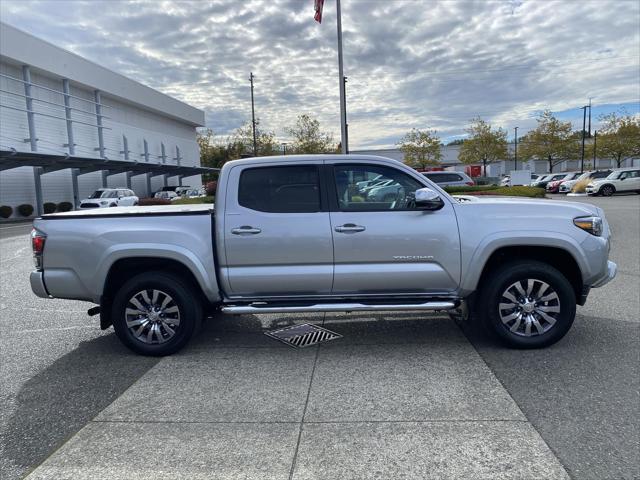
[[103, 202], [593, 225]]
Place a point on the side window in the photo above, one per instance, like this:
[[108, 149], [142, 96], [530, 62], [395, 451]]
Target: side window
[[292, 189], [395, 190]]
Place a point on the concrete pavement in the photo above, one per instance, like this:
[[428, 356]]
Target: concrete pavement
[[400, 396]]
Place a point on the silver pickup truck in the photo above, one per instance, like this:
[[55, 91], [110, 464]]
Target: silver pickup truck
[[316, 233]]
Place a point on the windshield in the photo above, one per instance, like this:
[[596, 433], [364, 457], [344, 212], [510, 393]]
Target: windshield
[[97, 194]]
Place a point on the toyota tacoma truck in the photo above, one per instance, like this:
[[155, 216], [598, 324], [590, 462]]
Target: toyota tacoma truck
[[304, 234]]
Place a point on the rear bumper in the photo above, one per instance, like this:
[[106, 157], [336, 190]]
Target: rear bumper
[[37, 284], [610, 275]]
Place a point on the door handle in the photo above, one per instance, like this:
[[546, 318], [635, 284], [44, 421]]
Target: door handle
[[350, 228], [245, 230]]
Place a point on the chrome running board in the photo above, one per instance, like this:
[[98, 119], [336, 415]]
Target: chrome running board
[[264, 307]]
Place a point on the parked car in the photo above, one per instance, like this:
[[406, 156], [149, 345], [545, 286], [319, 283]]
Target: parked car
[[554, 185], [292, 234], [166, 195], [450, 179], [542, 181], [619, 180], [506, 180], [567, 186], [110, 197]]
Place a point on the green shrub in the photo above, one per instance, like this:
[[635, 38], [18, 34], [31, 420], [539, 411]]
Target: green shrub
[[25, 210], [143, 202], [5, 211], [530, 192], [65, 206], [193, 201], [49, 207]]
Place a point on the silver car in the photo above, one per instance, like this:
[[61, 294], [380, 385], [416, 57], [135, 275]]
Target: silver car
[[450, 179]]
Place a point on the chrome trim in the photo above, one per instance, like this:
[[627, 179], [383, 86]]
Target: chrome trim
[[337, 307]]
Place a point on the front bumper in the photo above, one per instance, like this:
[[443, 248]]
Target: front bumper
[[612, 268], [37, 284]]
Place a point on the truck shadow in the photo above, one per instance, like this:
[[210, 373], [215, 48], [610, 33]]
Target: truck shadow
[[57, 402]]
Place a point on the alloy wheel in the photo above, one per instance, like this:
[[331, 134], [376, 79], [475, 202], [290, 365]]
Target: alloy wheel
[[529, 307], [152, 316]]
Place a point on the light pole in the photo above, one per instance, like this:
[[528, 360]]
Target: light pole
[[284, 148], [584, 124], [515, 153], [595, 139]]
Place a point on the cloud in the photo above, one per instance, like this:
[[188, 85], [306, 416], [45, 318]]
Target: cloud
[[423, 64]]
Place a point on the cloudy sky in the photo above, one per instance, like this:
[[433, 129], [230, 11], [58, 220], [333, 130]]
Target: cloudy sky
[[417, 63]]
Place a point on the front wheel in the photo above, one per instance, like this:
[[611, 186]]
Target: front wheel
[[528, 304], [156, 313], [607, 190]]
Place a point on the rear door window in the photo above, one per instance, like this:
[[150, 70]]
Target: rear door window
[[294, 189]]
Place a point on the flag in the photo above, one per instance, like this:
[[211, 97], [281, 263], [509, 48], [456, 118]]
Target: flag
[[318, 4]]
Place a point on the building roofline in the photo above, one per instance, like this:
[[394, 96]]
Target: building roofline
[[24, 48]]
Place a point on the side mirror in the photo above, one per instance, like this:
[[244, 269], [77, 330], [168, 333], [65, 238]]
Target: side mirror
[[623, 176], [427, 199]]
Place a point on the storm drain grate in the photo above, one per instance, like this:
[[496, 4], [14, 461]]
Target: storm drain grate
[[305, 335]]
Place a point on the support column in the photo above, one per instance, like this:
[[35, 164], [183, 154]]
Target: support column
[[125, 153], [74, 184], [32, 140], [145, 154]]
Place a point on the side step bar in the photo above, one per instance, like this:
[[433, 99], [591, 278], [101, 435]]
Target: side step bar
[[337, 307]]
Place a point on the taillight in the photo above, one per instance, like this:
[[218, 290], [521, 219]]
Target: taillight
[[38, 240], [471, 184]]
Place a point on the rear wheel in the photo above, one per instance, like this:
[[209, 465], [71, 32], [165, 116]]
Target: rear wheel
[[528, 304], [607, 190], [156, 313]]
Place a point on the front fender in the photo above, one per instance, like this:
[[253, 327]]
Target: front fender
[[474, 265]]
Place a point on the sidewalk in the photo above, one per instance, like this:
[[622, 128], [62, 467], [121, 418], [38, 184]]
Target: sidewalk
[[396, 397]]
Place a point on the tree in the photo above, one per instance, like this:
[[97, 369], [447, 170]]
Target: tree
[[212, 155], [619, 137], [485, 144], [307, 137], [552, 141], [421, 148], [241, 141]]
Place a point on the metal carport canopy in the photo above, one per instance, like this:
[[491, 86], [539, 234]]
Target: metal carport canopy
[[49, 163], [45, 163]]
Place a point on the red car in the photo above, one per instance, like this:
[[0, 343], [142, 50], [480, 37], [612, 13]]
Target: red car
[[554, 187]]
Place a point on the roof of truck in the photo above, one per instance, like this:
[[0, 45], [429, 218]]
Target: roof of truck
[[300, 158]]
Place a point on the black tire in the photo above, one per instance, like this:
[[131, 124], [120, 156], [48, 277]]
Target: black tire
[[491, 299], [607, 190], [189, 308], [113, 205]]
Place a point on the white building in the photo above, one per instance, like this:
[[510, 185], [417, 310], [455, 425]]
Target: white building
[[77, 126]]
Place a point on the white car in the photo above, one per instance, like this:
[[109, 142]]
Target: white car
[[567, 186], [620, 180], [110, 197], [167, 195]]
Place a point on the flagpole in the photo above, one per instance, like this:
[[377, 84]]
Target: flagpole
[[343, 105]]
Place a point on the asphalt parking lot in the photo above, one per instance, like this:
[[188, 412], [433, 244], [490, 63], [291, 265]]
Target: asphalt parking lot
[[399, 396]]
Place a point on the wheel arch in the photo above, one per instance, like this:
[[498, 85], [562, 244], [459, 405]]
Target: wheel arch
[[124, 268], [554, 249]]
